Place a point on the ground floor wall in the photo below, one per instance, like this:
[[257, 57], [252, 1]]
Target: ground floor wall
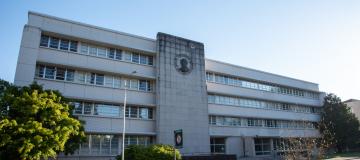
[[258, 147], [108, 146]]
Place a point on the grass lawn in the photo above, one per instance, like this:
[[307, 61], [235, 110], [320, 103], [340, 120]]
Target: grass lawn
[[343, 155]]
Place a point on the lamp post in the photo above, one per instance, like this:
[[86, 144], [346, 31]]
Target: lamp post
[[124, 111]]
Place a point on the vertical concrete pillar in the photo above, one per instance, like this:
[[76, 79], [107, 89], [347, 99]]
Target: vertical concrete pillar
[[249, 147], [234, 145], [29, 47], [181, 93]]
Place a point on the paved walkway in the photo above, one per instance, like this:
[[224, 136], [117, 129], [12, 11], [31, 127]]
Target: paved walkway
[[345, 158]]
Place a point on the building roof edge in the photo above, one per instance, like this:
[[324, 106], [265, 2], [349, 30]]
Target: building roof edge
[[89, 25]]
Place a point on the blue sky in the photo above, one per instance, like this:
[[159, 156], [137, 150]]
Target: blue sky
[[312, 40]]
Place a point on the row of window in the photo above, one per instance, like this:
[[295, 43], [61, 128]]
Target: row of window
[[286, 144], [87, 108], [59, 73], [109, 144], [57, 43], [234, 81], [116, 54], [253, 122], [262, 146], [245, 102], [110, 53]]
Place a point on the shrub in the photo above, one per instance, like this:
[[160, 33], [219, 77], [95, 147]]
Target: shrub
[[153, 152]]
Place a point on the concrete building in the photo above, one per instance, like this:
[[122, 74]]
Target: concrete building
[[354, 105], [221, 108]]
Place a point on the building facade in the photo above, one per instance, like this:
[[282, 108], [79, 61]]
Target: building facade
[[221, 108], [354, 106]]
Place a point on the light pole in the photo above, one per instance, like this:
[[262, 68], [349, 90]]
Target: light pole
[[124, 109]]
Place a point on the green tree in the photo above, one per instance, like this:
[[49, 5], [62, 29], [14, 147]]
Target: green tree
[[338, 124], [36, 123]]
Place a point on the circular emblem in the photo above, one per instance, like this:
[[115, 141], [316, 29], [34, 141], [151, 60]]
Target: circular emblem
[[178, 139], [183, 63]]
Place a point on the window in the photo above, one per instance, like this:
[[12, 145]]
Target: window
[[135, 57], [210, 77], [70, 75], [142, 140], [217, 145], [143, 85], [212, 120], [44, 41], [255, 122], [151, 113], [73, 46], [99, 79], [145, 113], [84, 48], [143, 59], [118, 54], [54, 42], [92, 50], [219, 120], [114, 145], [64, 44], [281, 144], [40, 70], [106, 110], [138, 140], [111, 53], [126, 83], [100, 145], [270, 123], [87, 108], [231, 121], [101, 52], [60, 73], [150, 60], [127, 56], [136, 112], [262, 146], [109, 81], [80, 77], [50, 72], [91, 78], [117, 82], [77, 107], [132, 112], [85, 146], [149, 86], [95, 144], [131, 140], [211, 99], [105, 144], [134, 84]]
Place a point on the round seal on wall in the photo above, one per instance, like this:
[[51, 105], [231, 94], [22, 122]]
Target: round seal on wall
[[183, 63]]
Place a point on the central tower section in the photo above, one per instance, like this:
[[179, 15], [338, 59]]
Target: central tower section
[[181, 93]]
